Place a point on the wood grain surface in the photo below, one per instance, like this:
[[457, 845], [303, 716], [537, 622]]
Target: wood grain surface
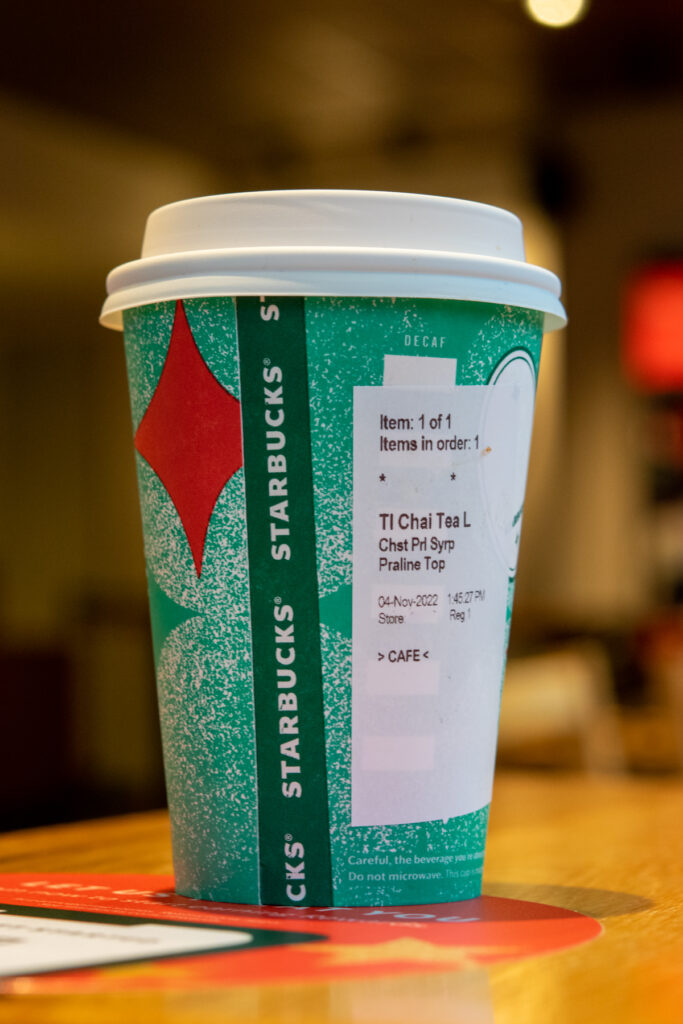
[[609, 847]]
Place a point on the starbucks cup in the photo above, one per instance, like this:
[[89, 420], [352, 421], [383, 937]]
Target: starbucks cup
[[332, 396]]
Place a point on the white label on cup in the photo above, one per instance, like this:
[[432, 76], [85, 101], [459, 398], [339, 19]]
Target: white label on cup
[[439, 475], [422, 370]]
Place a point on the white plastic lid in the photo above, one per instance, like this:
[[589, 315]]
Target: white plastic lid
[[333, 242]]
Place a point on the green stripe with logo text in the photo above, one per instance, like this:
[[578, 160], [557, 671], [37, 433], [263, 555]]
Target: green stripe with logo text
[[294, 842]]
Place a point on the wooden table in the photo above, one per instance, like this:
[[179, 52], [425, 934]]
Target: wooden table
[[608, 847]]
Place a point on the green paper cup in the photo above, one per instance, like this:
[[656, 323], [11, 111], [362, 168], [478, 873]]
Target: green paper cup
[[332, 398]]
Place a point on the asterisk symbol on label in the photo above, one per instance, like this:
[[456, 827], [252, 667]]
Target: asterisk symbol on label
[[452, 476], [382, 477]]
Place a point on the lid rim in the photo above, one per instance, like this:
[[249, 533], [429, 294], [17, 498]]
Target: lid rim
[[330, 259], [358, 285]]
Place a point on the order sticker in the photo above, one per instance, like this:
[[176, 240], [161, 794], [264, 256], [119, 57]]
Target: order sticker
[[438, 483]]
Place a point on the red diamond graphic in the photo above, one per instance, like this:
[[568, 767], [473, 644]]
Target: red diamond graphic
[[191, 435]]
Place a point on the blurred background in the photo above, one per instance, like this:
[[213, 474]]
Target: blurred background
[[109, 112]]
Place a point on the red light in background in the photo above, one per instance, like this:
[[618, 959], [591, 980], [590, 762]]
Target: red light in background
[[652, 342]]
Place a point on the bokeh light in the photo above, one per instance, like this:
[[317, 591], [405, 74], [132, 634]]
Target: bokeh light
[[556, 13]]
